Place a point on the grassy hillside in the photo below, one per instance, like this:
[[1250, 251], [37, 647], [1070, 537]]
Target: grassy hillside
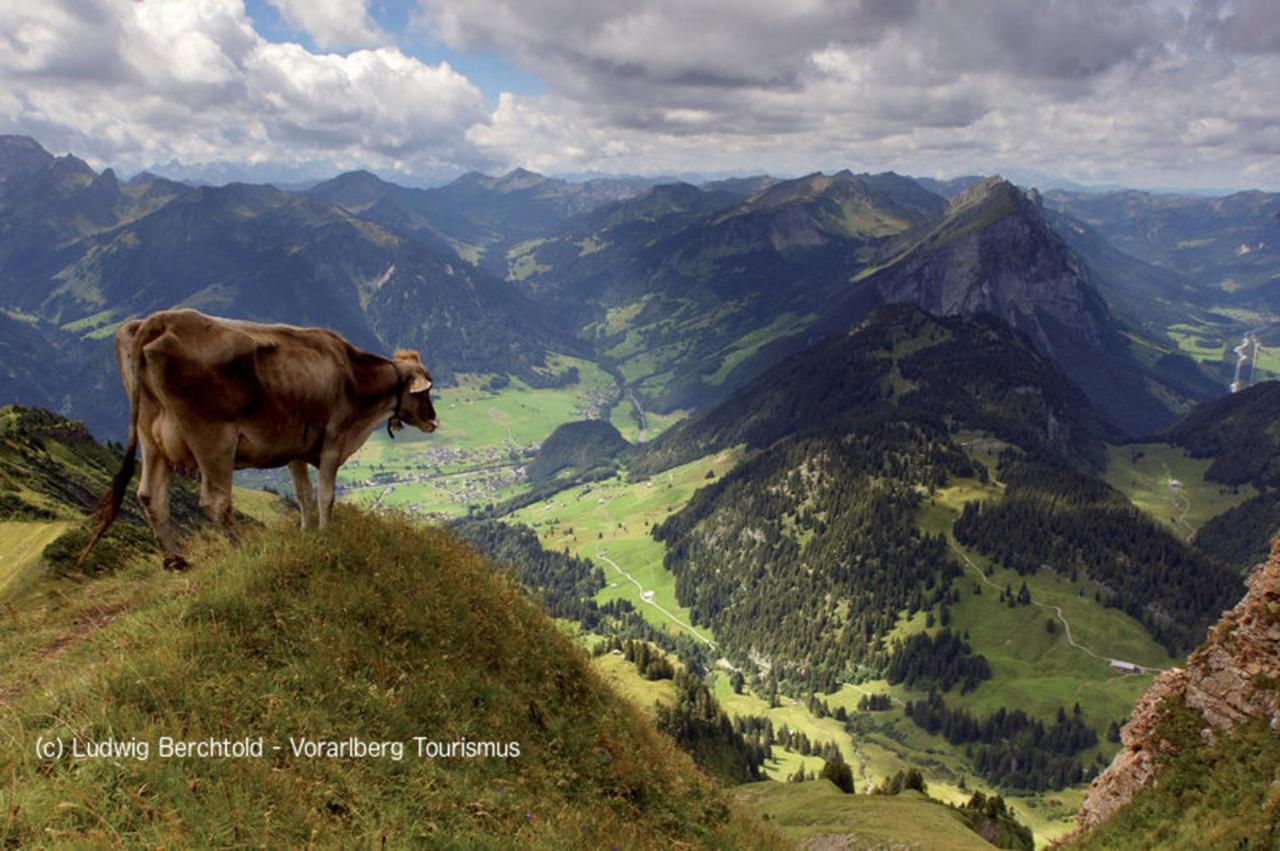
[[810, 812], [375, 629], [52, 473], [1171, 486]]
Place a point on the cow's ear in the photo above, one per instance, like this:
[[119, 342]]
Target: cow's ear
[[419, 383]]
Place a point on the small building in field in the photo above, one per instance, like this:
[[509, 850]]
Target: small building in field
[[1125, 667]]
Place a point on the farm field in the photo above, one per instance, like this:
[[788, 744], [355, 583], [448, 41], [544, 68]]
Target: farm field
[[1169, 485]]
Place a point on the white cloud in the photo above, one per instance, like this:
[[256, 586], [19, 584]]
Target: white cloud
[[333, 23], [1091, 89], [1167, 92], [140, 83]]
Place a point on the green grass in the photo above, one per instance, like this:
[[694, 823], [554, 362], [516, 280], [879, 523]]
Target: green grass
[[796, 717], [623, 677], [89, 323], [1214, 339], [887, 742], [1033, 669], [522, 260], [615, 517], [20, 547], [1143, 472], [804, 811], [375, 628], [485, 438], [621, 417]]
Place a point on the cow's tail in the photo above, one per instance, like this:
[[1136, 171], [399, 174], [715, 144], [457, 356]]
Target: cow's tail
[[109, 505]]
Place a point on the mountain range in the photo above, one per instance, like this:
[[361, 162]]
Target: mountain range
[[688, 292]]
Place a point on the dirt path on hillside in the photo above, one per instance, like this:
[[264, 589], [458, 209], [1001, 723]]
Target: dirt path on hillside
[[647, 596], [1057, 610]]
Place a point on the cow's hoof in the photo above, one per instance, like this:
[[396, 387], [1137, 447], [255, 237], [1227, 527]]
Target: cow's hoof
[[175, 563]]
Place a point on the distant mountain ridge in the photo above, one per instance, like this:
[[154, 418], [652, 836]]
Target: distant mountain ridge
[[82, 252], [686, 292]]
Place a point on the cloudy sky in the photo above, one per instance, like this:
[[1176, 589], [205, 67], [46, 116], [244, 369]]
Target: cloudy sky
[[1165, 93]]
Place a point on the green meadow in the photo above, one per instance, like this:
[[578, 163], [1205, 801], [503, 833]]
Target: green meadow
[[613, 519], [806, 811], [1169, 485]]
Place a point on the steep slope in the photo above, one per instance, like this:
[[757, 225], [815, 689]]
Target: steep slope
[[994, 253], [48, 203], [376, 631], [1201, 750], [258, 252], [1144, 295], [569, 267], [807, 551], [21, 155], [52, 474], [969, 373], [1240, 432], [51, 468], [26, 357]]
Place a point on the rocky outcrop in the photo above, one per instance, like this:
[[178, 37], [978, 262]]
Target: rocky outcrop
[[993, 253], [1232, 678]]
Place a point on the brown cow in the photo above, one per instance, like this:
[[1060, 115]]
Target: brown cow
[[222, 394]]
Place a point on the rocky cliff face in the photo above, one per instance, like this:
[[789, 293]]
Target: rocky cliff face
[[1234, 677], [993, 253]]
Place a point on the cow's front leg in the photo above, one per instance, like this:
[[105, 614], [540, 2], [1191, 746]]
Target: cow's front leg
[[328, 474], [216, 458], [302, 488]]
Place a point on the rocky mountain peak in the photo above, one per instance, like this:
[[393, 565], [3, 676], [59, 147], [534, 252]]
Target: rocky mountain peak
[[1231, 679], [994, 253], [21, 155]]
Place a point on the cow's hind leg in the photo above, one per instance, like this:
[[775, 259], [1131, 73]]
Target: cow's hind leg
[[153, 494], [302, 487]]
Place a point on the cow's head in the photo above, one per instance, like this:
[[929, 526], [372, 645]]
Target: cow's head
[[415, 401]]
